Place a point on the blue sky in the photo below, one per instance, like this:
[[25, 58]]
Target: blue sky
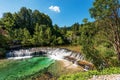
[[62, 12]]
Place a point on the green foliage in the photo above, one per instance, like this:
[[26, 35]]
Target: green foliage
[[106, 50], [107, 15], [38, 35], [25, 18], [60, 41], [2, 52], [29, 27], [85, 20], [18, 34], [42, 35], [8, 20], [75, 34], [104, 8], [88, 46], [3, 45], [89, 74], [26, 37], [3, 41], [35, 28]]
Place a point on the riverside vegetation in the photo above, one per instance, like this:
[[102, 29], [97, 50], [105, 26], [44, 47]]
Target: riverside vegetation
[[99, 40]]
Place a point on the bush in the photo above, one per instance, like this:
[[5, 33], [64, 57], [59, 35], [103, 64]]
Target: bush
[[89, 74], [2, 52]]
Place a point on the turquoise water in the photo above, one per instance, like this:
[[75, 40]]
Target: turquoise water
[[21, 69]]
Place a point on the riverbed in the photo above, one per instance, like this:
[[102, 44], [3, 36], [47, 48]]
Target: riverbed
[[23, 69]]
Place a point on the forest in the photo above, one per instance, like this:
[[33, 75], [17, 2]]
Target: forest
[[99, 40], [33, 28]]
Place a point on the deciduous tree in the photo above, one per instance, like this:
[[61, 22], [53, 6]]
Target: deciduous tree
[[107, 16]]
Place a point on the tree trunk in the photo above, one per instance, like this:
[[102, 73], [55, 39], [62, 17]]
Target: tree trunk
[[118, 56], [118, 53], [117, 49]]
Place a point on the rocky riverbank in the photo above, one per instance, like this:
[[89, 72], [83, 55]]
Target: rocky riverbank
[[106, 77]]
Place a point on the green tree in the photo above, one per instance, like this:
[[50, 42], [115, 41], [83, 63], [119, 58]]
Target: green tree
[[8, 20], [57, 35], [25, 19], [75, 35], [64, 30], [26, 40], [41, 18], [3, 45], [85, 20], [17, 34], [87, 39], [39, 35], [107, 16], [60, 41], [54, 40], [48, 35]]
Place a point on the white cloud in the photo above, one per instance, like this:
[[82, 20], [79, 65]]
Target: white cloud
[[55, 8]]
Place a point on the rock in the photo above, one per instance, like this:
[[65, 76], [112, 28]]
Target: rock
[[106, 77], [86, 65]]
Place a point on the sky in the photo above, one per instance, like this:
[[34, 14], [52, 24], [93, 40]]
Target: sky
[[62, 12]]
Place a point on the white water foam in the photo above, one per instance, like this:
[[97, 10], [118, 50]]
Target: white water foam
[[15, 58], [53, 53]]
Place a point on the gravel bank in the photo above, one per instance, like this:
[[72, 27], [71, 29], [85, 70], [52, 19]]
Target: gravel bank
[[106, 77]]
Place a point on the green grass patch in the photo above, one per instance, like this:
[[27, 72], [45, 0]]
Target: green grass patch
[[89, 74]]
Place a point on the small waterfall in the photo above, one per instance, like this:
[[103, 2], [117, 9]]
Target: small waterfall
[[19, 54], [54, 53]]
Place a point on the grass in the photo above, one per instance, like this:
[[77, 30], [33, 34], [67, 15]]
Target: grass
[[22, 69], [89, 74], [72, 48]]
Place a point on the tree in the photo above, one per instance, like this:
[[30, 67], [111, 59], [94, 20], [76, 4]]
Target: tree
[[38, 36], [87, 39], [24, 19], [85, 20], [58, 37], [17, 34], [48, 35], [26, 37], [41, 18], [8, 20], [75, 27], [3, 45], [107, 16], [64, 30], [75, 35], [59, 41]]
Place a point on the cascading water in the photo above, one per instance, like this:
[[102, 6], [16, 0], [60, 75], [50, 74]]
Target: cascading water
[[54, 53], [19, 54]]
